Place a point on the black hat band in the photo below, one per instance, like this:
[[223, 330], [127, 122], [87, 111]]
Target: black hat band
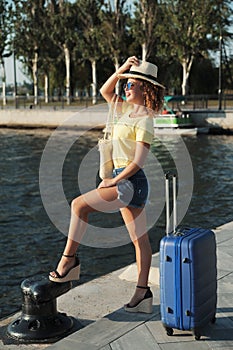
[[142, 74]]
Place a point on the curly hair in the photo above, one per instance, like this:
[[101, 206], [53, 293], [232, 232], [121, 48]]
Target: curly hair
[[153, 95]]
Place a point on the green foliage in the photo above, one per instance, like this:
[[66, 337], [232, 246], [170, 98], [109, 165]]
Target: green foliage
[[194, 25], [202, 67], [90, 30], [146, 26], [29, 36], [175, 33], [5, 27], [115, 30], [195, 29]]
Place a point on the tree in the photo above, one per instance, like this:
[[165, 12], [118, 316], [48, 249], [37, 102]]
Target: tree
[[63, 32], [91, 36], [29, 36], [115, 17], [194, 29], [203, 67], [146, 26], [4, 42]]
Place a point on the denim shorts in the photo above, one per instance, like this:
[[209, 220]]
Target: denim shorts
[[133, 192]]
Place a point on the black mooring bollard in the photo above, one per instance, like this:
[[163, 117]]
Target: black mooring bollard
[[40, 322]]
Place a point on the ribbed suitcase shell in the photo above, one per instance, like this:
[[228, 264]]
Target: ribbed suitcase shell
[[188, 280]]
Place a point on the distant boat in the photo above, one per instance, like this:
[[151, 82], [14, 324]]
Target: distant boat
[[171, 122]]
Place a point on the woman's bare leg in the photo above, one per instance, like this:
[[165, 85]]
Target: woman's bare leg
[[135, 220], [103, 200]]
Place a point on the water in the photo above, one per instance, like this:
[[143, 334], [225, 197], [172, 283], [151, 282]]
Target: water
[[31, 244]]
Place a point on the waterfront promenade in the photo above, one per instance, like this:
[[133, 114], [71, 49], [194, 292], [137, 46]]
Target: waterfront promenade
[[97, 307], [95, 117], [92, 117]]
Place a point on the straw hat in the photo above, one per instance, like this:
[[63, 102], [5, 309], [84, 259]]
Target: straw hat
[[145, 71]]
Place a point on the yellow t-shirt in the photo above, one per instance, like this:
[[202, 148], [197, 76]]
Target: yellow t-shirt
[[126, 132]]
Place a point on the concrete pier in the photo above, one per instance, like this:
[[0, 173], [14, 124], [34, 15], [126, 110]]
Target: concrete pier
[[95, 117], [91, 117], [214, 119], [106, 326]]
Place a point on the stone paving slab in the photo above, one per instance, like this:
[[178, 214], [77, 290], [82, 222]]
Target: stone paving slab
[[139, 338], [105, 331], [151, 333], [194, 345], [98, 306], [130, 273]]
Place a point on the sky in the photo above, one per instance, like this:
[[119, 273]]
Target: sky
[[20, 77]]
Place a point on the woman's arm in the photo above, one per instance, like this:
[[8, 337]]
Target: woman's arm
[[141, 152], [107, 90]]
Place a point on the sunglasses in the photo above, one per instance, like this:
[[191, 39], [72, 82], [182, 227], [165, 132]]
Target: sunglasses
[[128, 85]]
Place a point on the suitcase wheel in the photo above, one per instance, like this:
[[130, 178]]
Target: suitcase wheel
[[169, 331]]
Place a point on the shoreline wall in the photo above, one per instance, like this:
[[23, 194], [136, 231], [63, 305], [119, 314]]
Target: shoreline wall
[[214, 119], [88, 118], [95, 117]]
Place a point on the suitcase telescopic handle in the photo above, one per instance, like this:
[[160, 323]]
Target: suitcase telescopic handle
[[174, 203], [168, 176]]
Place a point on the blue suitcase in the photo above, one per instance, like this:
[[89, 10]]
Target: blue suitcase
[[188, 275]]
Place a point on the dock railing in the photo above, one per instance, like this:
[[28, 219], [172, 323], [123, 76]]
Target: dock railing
[[194, 102], [203, 102]]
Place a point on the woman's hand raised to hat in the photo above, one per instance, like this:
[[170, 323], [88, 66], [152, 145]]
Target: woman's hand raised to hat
[[108, 89], [131, 61]]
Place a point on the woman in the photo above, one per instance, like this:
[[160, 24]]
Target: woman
[[128, 189]]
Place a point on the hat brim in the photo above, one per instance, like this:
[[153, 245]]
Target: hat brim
[[130, 75]]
